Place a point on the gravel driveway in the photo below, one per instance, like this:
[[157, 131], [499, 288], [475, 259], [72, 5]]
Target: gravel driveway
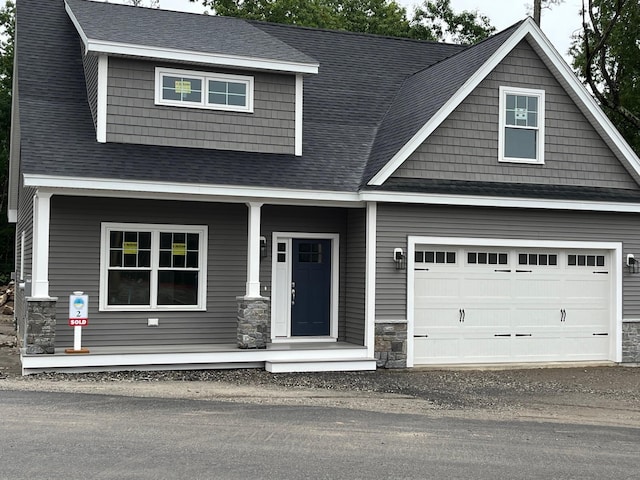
[[595, 395]]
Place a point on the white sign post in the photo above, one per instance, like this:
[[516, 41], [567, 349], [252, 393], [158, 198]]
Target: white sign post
[[78, 318]]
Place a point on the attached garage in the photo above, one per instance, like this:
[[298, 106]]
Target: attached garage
[[497, 301]]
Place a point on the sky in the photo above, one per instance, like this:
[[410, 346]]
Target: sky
[[559, 23]]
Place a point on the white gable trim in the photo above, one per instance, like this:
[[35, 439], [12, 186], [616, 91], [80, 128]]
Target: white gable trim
[[528, 27], [189, 56]]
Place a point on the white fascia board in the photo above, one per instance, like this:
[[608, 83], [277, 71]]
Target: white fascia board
[[528, 27], [189, 56], [504, 202], [76, 23], [185, 191]]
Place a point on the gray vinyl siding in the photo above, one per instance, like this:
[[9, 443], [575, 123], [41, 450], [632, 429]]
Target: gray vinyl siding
[[133, 117], [306, 220], [465, 145], [24, 224], [90, 63], [75, 265], [396, 222], [355, 280]]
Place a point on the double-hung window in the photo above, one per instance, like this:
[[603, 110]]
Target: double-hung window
[[217, 91], [145, 267], [521, 135]]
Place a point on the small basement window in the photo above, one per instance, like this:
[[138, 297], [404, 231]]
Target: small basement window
[[215, 91], [521, 134]]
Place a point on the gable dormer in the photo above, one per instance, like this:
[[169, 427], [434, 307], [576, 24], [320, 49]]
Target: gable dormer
[[175, 79]]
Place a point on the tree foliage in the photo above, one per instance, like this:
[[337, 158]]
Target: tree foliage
[[433, 20], [607, 57], [7, 35]]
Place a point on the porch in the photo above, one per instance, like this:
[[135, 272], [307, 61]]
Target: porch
[[276, 358]]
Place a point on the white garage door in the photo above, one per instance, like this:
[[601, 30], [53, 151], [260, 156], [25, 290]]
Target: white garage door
[[493, 305]]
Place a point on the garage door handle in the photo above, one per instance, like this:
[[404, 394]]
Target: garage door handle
[[502, 335], [462, 315], [563, 315]]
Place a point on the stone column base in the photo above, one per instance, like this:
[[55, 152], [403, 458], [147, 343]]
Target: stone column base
[[631, 342], [40, 326], [391, 344], [254, 322]]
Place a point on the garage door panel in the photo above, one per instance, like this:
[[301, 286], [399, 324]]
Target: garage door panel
[[531, 309], [544, 288]]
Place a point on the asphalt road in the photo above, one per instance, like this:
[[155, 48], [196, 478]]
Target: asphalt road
[[73, 435]]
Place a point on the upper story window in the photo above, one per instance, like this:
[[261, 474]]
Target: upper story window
[[521, 135], [216, 91]]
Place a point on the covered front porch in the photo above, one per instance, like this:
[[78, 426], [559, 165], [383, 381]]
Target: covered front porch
[[250, 251]]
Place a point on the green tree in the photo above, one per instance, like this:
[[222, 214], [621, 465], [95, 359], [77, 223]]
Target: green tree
[[606, 55], [434, 20], [7, 35]]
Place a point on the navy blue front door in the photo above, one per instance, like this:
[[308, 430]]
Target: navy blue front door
[[311, 287]]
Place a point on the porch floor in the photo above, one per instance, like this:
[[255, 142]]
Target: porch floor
[[311, 356]]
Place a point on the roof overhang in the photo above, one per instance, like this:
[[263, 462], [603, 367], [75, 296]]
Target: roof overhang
[[80, 186], [96, 46]]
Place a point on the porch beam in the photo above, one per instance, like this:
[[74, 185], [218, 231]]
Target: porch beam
[[253, 250], [40, 258]]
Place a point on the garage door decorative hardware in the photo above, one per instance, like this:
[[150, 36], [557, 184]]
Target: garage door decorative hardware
[[427, 336], [523, 334], [603, 273], [524, 271], [600, 334], [502, 335], [506, 271], [462, 315]]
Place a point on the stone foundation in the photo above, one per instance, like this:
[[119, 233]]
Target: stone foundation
[[254, 322], [391, 345], [39, 326], [631, 342]]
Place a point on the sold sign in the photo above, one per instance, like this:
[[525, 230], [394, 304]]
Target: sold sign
[[78, 310]]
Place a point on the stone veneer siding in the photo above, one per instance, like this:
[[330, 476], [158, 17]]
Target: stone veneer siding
[[254, 322], [631, 342], [391, 344], [40, 326]]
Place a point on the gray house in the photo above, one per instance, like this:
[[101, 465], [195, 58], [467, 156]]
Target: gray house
[[234, 193]]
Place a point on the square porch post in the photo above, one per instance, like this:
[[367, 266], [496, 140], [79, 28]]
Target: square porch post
[[254, 311]]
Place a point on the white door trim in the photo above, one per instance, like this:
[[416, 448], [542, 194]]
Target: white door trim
[[615, 347], [277, 292]]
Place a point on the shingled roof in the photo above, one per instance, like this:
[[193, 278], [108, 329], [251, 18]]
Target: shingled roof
[[355, 110]]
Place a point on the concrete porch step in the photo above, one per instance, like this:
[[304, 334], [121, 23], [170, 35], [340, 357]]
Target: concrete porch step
[[332, 365]]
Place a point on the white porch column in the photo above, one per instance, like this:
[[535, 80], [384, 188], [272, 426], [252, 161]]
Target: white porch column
[[370, 278], [253, 251], [40, 259]]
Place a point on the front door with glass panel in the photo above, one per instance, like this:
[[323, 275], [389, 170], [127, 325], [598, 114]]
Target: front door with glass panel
[[310, 287]]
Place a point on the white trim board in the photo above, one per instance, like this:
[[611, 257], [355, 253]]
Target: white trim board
[[97, 187], [616, 261], [551, 56]]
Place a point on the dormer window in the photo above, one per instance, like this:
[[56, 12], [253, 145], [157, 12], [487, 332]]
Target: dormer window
[[521, 136], [184, 88]]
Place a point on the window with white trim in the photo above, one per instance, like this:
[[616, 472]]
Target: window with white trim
[[145, 267], [521, 135], [216, 91]]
